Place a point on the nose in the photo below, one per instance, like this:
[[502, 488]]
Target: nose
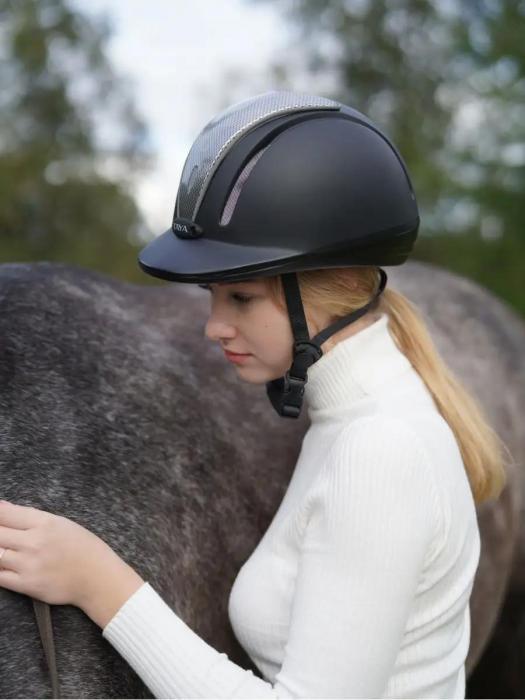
[[218, 328]]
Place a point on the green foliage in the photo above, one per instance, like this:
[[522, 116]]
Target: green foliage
[[57, 201], [446, 80]]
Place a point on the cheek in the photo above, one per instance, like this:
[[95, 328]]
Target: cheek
[[275, 339]]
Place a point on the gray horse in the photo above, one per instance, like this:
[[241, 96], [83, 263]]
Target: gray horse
[[118, 413]]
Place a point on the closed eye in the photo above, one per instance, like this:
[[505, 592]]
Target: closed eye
[[240, 298]]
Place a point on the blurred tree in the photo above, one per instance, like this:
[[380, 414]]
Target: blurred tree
[[65, 186], [446, 80]]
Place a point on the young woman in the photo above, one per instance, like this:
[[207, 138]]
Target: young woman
[[288, 206]]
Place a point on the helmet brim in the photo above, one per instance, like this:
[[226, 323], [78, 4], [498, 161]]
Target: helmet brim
[[205, 260]]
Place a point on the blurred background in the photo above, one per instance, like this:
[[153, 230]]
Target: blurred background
[[102, 99]]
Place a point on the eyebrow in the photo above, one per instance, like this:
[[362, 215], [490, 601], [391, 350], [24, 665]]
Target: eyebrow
[[223, 284]]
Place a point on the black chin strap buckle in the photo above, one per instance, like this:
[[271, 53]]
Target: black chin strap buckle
[[292, 396], [286, 393]]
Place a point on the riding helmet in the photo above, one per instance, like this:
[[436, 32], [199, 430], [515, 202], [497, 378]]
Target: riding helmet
[[283, 182]]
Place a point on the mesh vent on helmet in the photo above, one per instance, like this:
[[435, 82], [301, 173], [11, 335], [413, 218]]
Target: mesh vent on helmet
[[222, 132], [236, 190]]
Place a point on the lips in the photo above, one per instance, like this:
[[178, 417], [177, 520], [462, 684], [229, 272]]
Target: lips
[[236, 354]]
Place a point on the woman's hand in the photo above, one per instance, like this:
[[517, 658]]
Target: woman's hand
[[50, 557]]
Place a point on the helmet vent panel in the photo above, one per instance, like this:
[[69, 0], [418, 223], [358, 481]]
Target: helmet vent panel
[[236, 190], [224, 130]]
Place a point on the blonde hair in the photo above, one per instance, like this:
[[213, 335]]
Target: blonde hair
[[339, 291]]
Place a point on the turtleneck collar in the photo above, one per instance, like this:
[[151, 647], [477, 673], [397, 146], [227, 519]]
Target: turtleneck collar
[[354, 368]]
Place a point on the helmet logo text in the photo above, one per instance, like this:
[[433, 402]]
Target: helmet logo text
[[185, 228]]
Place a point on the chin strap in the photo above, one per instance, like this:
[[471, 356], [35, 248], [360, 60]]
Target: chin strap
[[286, 393]]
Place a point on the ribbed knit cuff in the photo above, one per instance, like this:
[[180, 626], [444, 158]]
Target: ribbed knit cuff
[[171, 659]]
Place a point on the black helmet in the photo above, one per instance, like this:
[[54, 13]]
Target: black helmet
[[284, 182]]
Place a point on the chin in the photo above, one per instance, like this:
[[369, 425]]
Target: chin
[[251, 375]]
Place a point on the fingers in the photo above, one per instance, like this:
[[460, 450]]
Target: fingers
[[11, 539], [11, 579], [11, 542], [19, 517], [10, 559]]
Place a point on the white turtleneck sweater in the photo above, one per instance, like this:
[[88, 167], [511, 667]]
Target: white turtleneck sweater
[[360, 586]]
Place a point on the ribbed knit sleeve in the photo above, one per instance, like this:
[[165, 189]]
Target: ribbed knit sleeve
[[172, 660], [372, 517]]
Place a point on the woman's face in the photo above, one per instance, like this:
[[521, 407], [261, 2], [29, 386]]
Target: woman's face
[[245, 319]]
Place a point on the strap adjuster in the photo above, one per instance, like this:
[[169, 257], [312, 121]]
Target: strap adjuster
[[294, 385]]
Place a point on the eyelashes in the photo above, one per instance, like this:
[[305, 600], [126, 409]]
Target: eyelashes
[[240, 298]]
